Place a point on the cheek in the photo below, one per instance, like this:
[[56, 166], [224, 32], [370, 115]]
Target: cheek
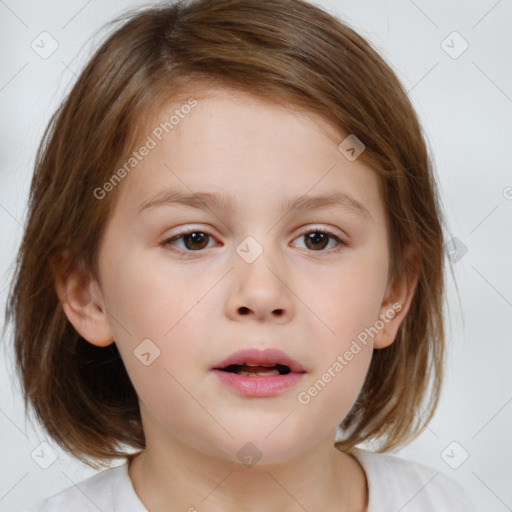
[[158, 336], [147, 300], [349, 307], [350, 299], [164, 391], [331, 391]]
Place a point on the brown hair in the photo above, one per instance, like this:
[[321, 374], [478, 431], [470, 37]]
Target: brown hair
[[283, 50]]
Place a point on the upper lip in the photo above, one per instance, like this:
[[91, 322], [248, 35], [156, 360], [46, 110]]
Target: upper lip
[[254, 356]]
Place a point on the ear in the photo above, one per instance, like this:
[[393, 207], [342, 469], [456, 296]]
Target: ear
[[397, 301], [82, 301]]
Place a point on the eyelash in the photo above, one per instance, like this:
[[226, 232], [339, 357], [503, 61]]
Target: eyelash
[[186, 254]]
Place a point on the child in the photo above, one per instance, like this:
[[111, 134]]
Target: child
[[232, 271]]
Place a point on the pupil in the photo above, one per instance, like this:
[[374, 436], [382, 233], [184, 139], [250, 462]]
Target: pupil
[[317, 238]]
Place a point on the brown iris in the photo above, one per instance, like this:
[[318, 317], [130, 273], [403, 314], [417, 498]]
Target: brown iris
[[197, 239], [317, 238]]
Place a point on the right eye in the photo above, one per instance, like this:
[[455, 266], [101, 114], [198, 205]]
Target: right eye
[[193, 240]]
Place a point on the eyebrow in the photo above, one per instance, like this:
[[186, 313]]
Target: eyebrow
[[228, 202]]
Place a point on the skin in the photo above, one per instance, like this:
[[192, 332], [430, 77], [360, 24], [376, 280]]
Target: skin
[[310, 301]]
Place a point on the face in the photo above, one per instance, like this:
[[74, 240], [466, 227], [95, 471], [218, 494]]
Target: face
[[255, 271]]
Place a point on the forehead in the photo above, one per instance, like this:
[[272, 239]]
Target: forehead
[[224, 140], [217, 104]]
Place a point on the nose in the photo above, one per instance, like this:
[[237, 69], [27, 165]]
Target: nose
[[261, 291]]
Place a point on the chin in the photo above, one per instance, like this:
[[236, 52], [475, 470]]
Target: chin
[[258, 448]]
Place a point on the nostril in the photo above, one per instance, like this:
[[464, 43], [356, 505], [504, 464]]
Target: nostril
[[243, 310], [278, 312]]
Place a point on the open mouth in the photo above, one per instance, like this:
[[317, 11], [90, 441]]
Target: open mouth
[[259, 373], [260, 370]]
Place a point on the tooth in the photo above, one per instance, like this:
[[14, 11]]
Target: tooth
[[264, 365], [252, 374]]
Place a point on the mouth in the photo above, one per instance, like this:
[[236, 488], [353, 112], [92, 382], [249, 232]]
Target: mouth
[[254, 362], [258, 373]]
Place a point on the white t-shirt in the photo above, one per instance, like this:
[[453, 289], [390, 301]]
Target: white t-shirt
[[393, 484]]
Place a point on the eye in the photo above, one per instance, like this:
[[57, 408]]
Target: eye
[[194, 240], [317, 240]]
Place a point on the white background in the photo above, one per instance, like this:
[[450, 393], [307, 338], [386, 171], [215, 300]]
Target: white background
[[465, 107]]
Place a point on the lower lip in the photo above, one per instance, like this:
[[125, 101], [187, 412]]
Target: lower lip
[[262, 386]]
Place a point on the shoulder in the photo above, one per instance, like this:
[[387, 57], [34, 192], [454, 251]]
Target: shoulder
[[110, 489], [400, 484]]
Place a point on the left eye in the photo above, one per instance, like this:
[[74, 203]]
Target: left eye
[[318, 239]]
